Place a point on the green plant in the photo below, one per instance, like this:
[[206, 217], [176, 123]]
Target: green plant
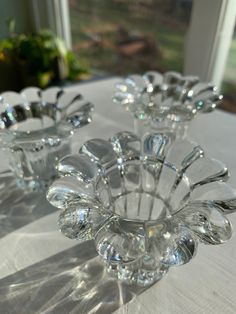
[[40, 58]]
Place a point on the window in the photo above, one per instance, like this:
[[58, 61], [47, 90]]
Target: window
[[129, 36]]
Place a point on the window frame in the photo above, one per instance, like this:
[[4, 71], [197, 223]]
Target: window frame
[[206, 57], [53, 14]]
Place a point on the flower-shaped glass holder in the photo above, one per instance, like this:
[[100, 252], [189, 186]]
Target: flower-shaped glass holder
[[35, 129], [147, 204], [165, 102]]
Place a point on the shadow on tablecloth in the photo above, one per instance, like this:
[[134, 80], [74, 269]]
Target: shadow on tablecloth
[[73, 281], [18, 207]]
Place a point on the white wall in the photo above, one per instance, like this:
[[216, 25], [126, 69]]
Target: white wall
[[20, 11]]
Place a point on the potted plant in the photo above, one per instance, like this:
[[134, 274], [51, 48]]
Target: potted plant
[[39, 59]]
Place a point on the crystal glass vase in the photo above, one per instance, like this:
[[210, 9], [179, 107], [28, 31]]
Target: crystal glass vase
[[147, 204], [168, 102], [35, 129]]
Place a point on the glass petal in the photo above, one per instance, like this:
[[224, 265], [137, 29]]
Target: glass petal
[[81, 221], [129, 91], [154, 79], [80, 106], [171, 78], [181, 249], [178, 194], [67, 191], [116, 245], [207, 222], [127, 86], [14, 108], [201, 87], [166, 180], [206, 170], [147, 174], [190, 81], [115, 181], [78, 120], [213, 191], [79, 166], [156, 144], [103, 192], [86, 107], [138, 81], [51, 95], [173, 243], [126, 92], [32, 94], [227, 206], [183, 153], [205, 97], [123, 99], [100, 151], [10, 99], [67, 99], [126, 144], [49, 99]]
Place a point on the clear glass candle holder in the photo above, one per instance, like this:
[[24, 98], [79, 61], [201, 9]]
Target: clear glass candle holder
[[147, 204], [165, 102], [36, 128]]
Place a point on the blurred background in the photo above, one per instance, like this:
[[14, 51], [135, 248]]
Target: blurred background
[[48, 42]]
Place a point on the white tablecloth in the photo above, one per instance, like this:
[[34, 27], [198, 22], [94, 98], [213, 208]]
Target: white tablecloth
[[34, 280]]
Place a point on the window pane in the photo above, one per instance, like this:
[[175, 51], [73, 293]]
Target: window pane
[[229, 82], [129, 36]]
